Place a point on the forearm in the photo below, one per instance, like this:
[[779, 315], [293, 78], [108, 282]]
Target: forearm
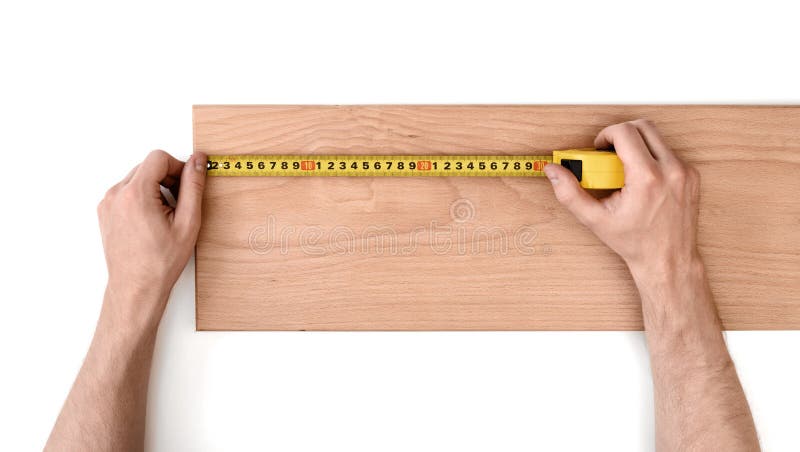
[[105, 409], [699, 401], [147, 244]]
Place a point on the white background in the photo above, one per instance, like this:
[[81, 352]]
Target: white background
[[88, 88]]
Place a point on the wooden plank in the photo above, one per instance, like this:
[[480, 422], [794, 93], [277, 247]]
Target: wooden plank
[[428, 254]]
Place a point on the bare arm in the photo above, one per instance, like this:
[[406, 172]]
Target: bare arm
[[652, 224], [147, 244]]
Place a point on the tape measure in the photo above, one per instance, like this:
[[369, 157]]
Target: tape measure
[[593, 168]]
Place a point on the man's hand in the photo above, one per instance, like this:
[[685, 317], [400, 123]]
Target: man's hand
[[652, 221], [652, 224], [147, 242]]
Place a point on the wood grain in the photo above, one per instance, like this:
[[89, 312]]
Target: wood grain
[[260, 267]]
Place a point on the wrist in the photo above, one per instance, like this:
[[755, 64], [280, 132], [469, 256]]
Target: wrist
[[128, 308], [665, 269], [678, 308]]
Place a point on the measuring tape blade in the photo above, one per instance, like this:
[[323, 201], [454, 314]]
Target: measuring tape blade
[[378, 165], [594, 169]]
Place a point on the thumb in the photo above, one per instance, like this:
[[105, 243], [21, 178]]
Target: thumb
[[190, 196], [571, 195]]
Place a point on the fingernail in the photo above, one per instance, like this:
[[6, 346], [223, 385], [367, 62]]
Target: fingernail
[[552, 175], [200, 161]]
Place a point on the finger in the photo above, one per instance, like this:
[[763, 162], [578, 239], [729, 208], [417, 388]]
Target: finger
[[569, 193], [655, 141], [168, 197], [629, 145], [158, 168], [190, 197]]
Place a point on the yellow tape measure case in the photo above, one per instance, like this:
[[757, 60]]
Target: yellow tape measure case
[[594, 169]]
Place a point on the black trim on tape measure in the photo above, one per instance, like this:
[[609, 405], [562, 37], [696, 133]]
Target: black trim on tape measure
[[576, 166]]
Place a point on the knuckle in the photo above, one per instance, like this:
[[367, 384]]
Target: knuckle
[[650, 179], [128, 195], [628, 128], [678, 175], [618, 130], [108, 197], [155, 156], [615, 128], [643, 122], [157, 153]]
